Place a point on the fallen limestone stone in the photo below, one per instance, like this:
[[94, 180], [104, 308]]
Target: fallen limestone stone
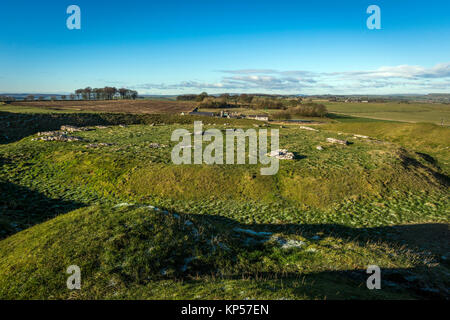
[[337, 141], [59, 137], [72, 129], [98, 145], [48, 133], [253, 233], [122, 125], [123, 204], [360, 136], [288, 244], [308, 128], [157, 145], [101, 127], [319, 148], [281, 154]]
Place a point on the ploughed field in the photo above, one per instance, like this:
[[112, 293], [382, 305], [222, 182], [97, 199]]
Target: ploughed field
[[113, 203], [128, 106]]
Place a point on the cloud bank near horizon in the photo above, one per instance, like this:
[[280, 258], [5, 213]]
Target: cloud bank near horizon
[[401, 78]]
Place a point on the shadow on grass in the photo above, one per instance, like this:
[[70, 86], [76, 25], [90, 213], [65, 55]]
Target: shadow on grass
[[395, 283], [22, 208], [418, 238], [411, 162], [429, 241], [16, 126]]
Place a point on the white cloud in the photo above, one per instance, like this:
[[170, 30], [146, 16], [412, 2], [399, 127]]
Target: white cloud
[[441, 70], [403, 78]]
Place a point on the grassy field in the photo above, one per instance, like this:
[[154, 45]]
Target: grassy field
[[410, 112], [141, 227]]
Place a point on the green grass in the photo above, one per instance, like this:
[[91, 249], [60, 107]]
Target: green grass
[[139, 252], [375, 201], [425, 138], [411, 112]]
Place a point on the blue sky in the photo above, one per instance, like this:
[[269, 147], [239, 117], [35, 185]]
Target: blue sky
[[171, 47]]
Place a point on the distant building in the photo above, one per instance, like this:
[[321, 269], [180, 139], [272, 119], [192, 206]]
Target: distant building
[[204, 114]]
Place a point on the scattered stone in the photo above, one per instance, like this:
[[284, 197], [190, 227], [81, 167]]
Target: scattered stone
[[429, 290], [58, 137], [281, 154], [308, 128], [224, 246], [360, 136], [123, 204], [256, 125], [337, 141], [72, 129], [251, 242], [101, 127], [411, 278], [288, 244], [186, 262], [48, 133], [391, 284], [253, 233], [98, 145], [122, 125], [319, 148], [157, 145]]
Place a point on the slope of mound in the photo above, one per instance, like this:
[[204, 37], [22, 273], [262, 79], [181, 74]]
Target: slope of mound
[[121, 245], [144, 252]]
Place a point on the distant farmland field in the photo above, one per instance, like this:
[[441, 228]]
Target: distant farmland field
[[412, 112], [128, 106]]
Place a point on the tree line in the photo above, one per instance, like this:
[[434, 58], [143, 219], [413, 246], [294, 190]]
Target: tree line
[[256, 101], [106, 93], [289, 106]]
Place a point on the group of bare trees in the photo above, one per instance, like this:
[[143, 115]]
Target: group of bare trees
[[106, 93], [7, 98]]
